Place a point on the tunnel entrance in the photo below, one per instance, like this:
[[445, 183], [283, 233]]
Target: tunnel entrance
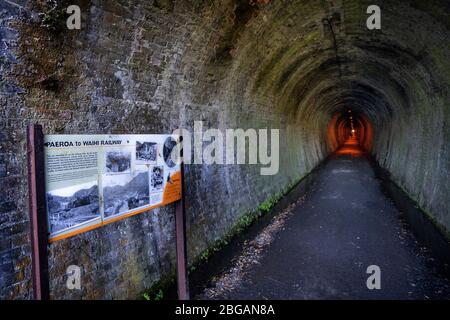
[[311, 70]]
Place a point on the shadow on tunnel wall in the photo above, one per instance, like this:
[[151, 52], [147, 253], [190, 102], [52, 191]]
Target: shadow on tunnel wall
[[153, 66]]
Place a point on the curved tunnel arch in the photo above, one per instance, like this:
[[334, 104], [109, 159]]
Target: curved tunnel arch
[[152, 66], [308, 61], [294, 65]]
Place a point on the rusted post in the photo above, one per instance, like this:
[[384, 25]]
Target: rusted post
[[38, 212], [180, 226]]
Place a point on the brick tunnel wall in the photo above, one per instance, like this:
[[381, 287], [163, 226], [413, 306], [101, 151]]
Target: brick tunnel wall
[[134, 67], [151, 66]]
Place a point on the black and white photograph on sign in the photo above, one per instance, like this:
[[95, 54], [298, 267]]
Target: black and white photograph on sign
[[118, 162], [146, 151], [170, 158], [70, 206], [156, 178], [125, 192]]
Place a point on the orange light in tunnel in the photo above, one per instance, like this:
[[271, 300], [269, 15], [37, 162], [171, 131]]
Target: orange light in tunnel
[[350, 148], [341, 130]]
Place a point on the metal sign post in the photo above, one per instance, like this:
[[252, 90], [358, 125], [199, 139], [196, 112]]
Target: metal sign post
[[38, 212], [180, 232]]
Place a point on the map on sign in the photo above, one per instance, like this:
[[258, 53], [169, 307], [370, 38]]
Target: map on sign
[[92, 180]]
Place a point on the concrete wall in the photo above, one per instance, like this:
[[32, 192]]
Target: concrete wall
[[151, 66]]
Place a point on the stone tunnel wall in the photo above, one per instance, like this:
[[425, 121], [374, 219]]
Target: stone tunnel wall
[[412, 141], [151, 66], [134, 67]]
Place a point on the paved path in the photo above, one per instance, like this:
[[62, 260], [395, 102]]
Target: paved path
[[345, 225]]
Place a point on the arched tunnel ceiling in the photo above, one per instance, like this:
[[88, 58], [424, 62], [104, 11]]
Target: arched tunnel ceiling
[[309, 60], [318, 57], [293, 65]]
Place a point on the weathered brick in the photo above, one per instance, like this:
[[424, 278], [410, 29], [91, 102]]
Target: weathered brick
[[7, 206], [150, 67]]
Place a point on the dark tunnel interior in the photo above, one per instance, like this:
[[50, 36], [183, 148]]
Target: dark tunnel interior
[[308, 68]]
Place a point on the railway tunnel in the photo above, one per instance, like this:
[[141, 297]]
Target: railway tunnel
[[310, 68]]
